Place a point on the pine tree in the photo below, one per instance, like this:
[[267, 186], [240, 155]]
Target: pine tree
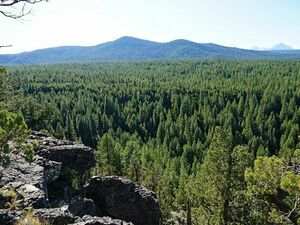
[[105, 155], [210, 188]]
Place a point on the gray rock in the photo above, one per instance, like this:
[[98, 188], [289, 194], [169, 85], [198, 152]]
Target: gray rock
[[8, 217], [82, 206], [68, 153], [88, 220], [21, 172], [74, 156], [31, 196], [57, 216], [52, 169], [48, 183], [28, 180], [125, 200]]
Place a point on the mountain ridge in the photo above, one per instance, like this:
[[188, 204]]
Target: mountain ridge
[[281, 47], [134, 49]]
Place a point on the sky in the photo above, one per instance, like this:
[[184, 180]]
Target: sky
[[236, 23]]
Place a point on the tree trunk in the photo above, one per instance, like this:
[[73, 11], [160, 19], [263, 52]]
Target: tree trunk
[[226, 212], [188, 214]]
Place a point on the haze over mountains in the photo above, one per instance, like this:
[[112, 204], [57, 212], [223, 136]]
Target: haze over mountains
[[277, 47], [134, 49]]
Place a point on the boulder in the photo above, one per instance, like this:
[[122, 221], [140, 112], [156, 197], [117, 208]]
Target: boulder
[[27, 180], [125, 200], [89, 220], [57, 216], [70, 154]]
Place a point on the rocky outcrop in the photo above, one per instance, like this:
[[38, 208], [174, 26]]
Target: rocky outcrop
[[89, 220], [27, 180], [66, 164], [69, 154], [55, 187], [123, 199]]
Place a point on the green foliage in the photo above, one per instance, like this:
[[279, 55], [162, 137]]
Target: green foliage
[[264, 179], [29, 151], [73, 176], [290, 182], [12, 129], [296, 157], [3, 85], [210, 187], [108, 156], [276, 185], [2, 70], [37, 114]]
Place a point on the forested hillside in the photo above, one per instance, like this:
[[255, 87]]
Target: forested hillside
[[134, 49], [186, 129]]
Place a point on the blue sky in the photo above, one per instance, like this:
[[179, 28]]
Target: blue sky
[[239, 23]]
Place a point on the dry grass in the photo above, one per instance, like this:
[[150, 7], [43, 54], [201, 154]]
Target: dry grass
[[29, 219]]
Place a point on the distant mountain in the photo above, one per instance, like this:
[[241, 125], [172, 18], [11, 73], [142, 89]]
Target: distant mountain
[[281, 47], [134, 49], [256, 48]]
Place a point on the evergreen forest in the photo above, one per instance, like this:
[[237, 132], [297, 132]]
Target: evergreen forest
[[217, 140]]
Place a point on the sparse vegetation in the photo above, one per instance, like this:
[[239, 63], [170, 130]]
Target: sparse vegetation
[[29, 219]]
